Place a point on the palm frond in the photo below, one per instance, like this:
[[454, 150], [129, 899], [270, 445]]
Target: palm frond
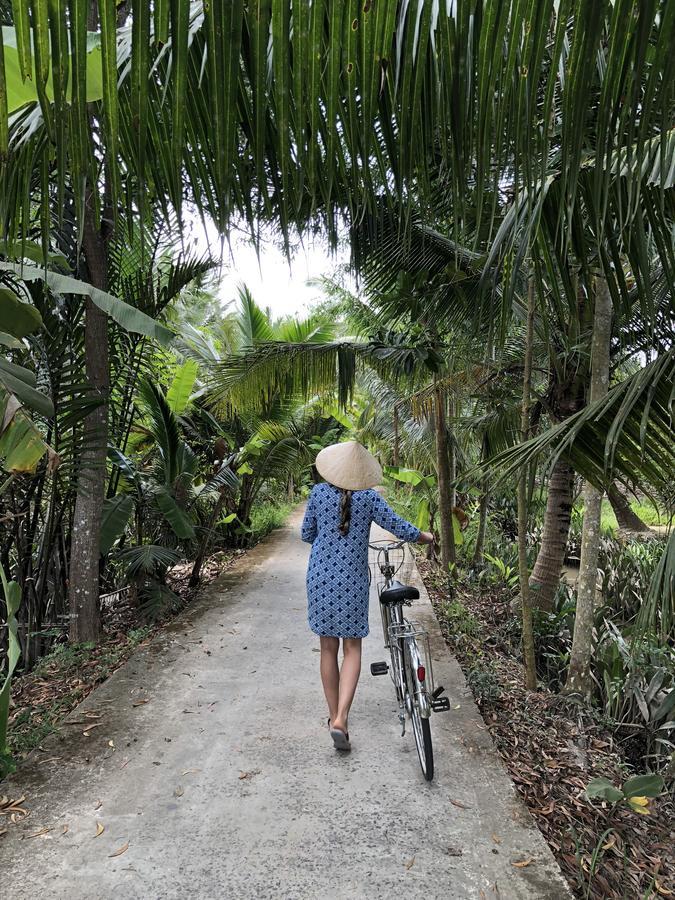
[[148, 560], [306, 114], [626, 435], [254, 325], [255, 377], [164, 427]]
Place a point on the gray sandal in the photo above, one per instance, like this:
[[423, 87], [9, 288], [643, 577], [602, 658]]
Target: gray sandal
[[340, 739]]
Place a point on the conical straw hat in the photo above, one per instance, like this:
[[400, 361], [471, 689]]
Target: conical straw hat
[[349, 466]]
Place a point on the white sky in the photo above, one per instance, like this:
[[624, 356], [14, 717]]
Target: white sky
[[272, 282]]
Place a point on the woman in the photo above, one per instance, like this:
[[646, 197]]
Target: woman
[[337, 524]]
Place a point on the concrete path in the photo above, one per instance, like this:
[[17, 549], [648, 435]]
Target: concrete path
[[224, 784]]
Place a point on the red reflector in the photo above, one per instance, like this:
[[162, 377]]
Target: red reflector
[[421, 673]]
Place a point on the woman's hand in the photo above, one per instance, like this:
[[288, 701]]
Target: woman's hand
[[426, 537]]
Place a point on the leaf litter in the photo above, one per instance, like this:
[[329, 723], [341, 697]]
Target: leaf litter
[[552, 750]]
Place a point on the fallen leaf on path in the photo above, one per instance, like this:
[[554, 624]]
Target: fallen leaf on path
[[3, 831], [99, 804], [522, 863], [140, 702], [91, 727], [119, 851], [36, 833], [496, 839], [111, 744], [460, 804], [125, 763], [251, 774], [64, 830], [180, 790], [410, 864], [13, 808], [92, 714], [99, 829], [190, 772]]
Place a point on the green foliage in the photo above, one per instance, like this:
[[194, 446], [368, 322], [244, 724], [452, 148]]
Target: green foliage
[[266, 516], [178, 395], [16, 317], [634, 793], [116, 512], [459, 621], [12, 599], [483, 680], [502, 572], [553, 638], [423, 494], [126, 316], [637, 693]]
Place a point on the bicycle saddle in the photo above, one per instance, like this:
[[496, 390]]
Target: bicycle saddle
[[399, 593]]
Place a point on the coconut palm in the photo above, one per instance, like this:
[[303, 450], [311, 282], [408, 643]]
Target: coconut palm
[[493, 95]]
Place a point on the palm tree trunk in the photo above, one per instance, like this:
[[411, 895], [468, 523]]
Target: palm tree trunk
[[444, 487], [528, 634], [196, 573], [579, 675], [482, 528], [86, 532], [545, 576], [626, 518], [396, 437]]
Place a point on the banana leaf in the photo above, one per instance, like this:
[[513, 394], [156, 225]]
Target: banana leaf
[[20, 91], [12, 593], [126, 316]]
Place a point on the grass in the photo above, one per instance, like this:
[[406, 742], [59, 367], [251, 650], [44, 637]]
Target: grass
[[265, 517], [59, 682], [459, 620], [649, 514]]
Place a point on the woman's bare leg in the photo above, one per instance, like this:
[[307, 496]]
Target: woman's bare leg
[[349, 678], [330, 673]]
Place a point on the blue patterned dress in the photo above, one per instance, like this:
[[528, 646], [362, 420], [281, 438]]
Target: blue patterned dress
[[337, 575]]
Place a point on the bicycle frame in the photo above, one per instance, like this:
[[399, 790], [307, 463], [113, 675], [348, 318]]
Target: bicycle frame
[[401, 635]]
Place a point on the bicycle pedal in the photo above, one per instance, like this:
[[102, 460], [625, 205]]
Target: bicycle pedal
[[437, 693], [441, 704], [379, 668]]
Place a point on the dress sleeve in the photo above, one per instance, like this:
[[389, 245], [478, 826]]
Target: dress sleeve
[[309, 528], [385, 516]]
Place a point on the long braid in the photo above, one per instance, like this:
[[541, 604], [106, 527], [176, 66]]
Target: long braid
[[345, 512]]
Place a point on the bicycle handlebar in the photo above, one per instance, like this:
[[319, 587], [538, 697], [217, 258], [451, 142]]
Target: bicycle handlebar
[[386, 545]]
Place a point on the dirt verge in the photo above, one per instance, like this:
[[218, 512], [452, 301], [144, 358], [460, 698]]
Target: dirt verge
[[552, 749]]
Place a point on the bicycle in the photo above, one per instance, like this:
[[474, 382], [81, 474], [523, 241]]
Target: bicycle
[[411, 666]]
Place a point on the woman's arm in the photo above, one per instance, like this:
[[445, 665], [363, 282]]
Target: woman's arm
[[385, 516], [309, 527]]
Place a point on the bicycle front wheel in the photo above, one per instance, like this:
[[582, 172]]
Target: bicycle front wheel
[[420, 724]]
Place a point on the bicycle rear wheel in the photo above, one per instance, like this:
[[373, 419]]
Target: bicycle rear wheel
[[420, 724]]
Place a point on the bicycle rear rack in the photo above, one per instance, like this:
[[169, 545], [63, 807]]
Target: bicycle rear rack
[[401, 630]]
